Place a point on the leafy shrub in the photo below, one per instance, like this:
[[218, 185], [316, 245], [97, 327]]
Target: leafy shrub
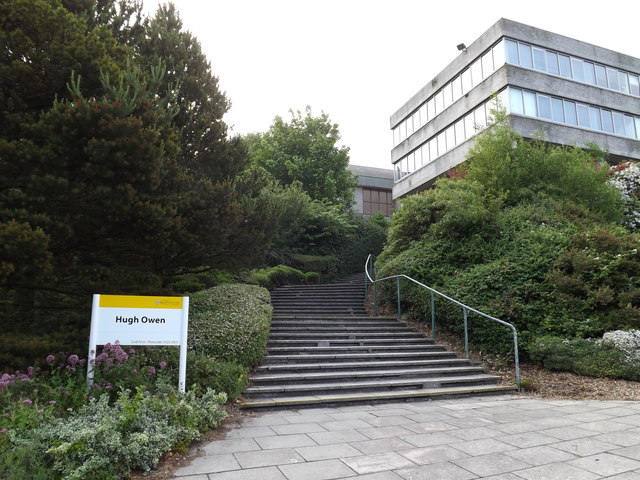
[[369, 237], [597, 279], [279, 275], [589, 357], [103, 441], [626, 178], [208, 373], [231, 323], [527, 234]]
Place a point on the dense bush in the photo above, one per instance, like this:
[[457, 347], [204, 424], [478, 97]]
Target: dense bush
[[279, 275], [231, 323], [591, 357], [526, 232], [106, 441]]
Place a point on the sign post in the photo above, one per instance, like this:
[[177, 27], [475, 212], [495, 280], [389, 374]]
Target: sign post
[[136, 320]]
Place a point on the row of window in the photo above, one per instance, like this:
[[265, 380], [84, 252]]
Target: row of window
[[584, 71], [560, 110], [452, 136], [451, 92], [522, 102], [524, 55], [374, 201]]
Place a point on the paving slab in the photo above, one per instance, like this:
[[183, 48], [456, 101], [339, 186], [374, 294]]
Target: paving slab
[[266, 458], [492, 464], [436, 471], [385, 432], [494, 438], [264, 473], [293, 428], [540, 455], [556, 471], [382, 445], [328, 452], [320, 470], [284, 441], [378, 463], [606, 464]]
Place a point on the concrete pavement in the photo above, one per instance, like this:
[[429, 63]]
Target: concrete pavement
[[502, 438]]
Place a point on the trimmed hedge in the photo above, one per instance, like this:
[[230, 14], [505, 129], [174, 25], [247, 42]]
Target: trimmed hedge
[[230, 323], [274, 277]]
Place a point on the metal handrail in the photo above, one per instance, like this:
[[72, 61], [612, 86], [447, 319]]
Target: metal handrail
[[465, 310]]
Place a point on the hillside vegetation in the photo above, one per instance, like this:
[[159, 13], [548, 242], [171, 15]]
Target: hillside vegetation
[[534, 234]]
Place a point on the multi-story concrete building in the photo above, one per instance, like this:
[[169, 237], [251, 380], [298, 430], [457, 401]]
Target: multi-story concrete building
[[373, 193], [570, 91]]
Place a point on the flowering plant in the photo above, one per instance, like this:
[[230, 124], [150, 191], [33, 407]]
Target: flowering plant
[[626, 178]]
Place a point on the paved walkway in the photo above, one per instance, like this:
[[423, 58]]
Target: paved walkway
[[502, 438]]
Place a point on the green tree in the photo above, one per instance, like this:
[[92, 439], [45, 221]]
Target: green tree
[[306, 150], [42, 44]]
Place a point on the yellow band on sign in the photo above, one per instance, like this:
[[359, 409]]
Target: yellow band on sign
[[132, 301]]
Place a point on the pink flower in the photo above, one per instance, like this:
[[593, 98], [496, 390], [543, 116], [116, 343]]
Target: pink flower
[[3, 431], [73, 359], [151, 371], [50, 359], [27, 401], [163, 364], [52, 402]]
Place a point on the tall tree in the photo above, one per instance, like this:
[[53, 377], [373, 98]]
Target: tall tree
[[306, 150]]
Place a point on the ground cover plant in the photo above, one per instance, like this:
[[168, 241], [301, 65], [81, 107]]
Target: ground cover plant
[[534, 234], [53, 428]]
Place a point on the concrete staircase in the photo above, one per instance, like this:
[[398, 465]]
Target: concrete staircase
[[324, 349]]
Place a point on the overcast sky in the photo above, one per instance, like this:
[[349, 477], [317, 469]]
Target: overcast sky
[[360, 60]]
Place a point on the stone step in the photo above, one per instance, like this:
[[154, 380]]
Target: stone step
[[346, 357], [352, 349], [326, 316], [332, 376], [380, 364], [371, 385], [327, 399], [311, 342], [345, 335], [340, 328]]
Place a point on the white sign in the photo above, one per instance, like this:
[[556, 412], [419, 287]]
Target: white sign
[[136, 320]]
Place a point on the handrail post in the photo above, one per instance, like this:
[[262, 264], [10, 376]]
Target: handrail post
[[466, 333], [433, 315], [375, 300], [366, 286], [399, 308], [516, 357]]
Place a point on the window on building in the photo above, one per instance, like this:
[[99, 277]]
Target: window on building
[[526, 59], [467, 85], [570, 113], [594, 118], [544, 107], [552, 63], [589, 73], [487, 64], [565, 65], [601, 76], [623, 80], [374, 201], [557, 112], [512, 52], [530, 107], [607, 121], [476, 72], [577, 68], [583, 115], [634, 85], [539, 59]]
